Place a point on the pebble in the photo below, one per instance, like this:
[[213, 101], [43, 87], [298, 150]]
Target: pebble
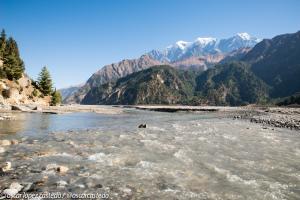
[[27, 187], [14, 142], [80, 186], [5, 142], [61, 184], [6, 167], [142, 126], [51, 167], [16, 186], [13, 189], [58, 168], [126, 191], [10, 192], [2, 150], [62, 169]]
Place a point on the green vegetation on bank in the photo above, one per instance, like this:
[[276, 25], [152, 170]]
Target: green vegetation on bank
[[291, 100], [12, 68], [45, 85], [55, 98], [45, 82]]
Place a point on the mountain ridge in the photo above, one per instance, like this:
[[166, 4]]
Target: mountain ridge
[[199, 59], [269, 70]]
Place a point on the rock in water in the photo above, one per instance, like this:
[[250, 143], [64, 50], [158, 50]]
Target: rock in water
[[37, 108], [14, 142], [61, 184], [5, 142], [62, 169], [20, 108], [10, 192], [16, 186], [2, 150], [6, 167], [142, 126]]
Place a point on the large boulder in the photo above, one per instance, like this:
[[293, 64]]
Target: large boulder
[[20, 108]]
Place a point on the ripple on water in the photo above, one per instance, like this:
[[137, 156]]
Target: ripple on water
[[156, 145], [235, 178], [182, 155], [117, 160]]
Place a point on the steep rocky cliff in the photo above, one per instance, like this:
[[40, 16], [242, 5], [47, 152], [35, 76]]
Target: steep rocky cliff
[[112, 72], [20, 91], [156, 85]]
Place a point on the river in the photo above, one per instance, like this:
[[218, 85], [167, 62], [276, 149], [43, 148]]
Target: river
[[178, 156]]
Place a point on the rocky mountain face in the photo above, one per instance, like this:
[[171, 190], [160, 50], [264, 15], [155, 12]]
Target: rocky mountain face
[[277, 62], [65, 92], [21, 91], [110, 73], [227, 84], [233, 84], [198, 56], [156, 85]]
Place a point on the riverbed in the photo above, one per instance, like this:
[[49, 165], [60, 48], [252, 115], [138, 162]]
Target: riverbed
[[201, 155]]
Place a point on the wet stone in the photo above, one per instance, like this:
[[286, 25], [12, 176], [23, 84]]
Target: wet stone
[[61, 184], [5, 142]]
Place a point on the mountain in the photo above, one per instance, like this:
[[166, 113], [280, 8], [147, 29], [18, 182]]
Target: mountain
[[203, 46], [68, 91], [110, 73], [156, 85], [231, 84], [199, 55], [277, 62], [227, 84]]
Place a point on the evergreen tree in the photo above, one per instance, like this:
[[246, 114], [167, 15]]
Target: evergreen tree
[[45, 82], [12, 64], [2, 43], [56, 98]]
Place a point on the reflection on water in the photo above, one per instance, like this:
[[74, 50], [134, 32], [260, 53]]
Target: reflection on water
[[13, 126], [178, 156]]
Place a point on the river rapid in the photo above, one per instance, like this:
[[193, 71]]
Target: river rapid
[[178, 156]]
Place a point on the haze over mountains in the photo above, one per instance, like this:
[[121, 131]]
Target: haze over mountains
[[199, 55]]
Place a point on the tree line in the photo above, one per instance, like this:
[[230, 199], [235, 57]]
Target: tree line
[[13, 68]]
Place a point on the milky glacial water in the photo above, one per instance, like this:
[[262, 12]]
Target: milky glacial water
[[178, 155]]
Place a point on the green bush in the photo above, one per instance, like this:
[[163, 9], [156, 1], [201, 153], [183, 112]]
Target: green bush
[[34, 92], [56, 98]]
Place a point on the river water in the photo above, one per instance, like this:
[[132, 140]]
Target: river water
[[178, 156]]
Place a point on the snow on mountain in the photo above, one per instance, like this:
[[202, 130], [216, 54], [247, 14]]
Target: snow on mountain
[[205, 41], [203, 46], [244, 36], [182, 44]]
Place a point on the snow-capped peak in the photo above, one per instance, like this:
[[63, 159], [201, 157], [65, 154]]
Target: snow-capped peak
[[182, 44], [203, 46], [244, 36], [204, 41]]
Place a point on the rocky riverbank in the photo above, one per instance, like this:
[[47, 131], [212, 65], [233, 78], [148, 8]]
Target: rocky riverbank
[[57, 109], [282, 117]]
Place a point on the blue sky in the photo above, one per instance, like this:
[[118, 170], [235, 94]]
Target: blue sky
[[75, 38]]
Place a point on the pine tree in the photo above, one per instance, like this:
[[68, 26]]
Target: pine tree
[[45, 82], [56, 98], [12, 64], [2, 43]]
